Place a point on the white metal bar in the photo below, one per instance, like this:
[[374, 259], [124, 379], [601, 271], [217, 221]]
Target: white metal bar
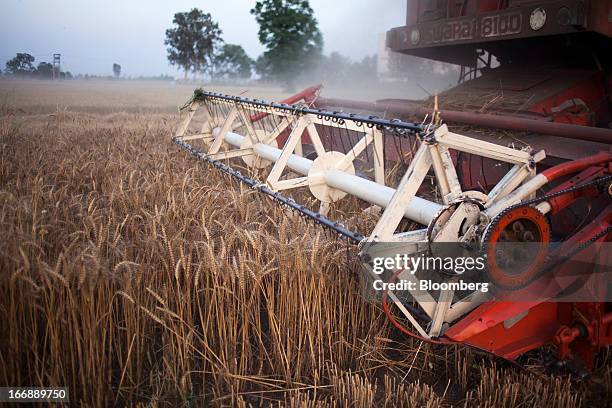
[[465, 305], [291, 183], [248, 125], [419, 209], [517, 195], [296, 163], [509, 182], [438, 167], [205, 136], [220, 136], [286, 153], [444, 303], [379, 157], [324, 208], [185, 124], [451, 173], [479, 147], [544, 207], [408, 315], [356, 150], [206, 126], [298, 151], [232, 154], [315, 139], [405, 193], [279, 129]]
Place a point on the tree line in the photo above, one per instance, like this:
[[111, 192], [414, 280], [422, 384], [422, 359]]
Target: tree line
[[23, 65]]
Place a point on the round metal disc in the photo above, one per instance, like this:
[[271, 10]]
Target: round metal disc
[[318, 188]]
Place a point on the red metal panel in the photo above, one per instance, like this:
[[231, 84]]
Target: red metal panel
[[439, 27], [488, 5], [484, 327], [582, 104], [601, 17], [307, 95], [509, 329], [412, 12]]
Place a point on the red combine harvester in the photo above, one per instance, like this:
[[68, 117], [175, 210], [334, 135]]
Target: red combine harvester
[[552, 61], [534, 91]]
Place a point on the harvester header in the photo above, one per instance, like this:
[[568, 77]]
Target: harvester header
[[333, 154]]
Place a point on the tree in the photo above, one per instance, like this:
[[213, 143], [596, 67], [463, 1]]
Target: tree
[[193, 40], [116, 70], [289, 31], [232, 61], [263, 67], [44, 70], [365, 69], [22, 64], [335, 68]]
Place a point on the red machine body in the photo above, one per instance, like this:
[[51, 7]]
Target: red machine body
[[549, 62], [550, 65]]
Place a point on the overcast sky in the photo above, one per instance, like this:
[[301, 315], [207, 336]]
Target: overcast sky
[[93, 34]]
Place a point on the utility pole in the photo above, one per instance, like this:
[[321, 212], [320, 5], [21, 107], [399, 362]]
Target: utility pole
[[57, 66]]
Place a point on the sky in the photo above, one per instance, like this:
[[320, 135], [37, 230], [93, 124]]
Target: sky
[[91, 35]]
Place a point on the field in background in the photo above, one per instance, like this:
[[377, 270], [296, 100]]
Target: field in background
[[106, 96], [98, 96], [132, 274]]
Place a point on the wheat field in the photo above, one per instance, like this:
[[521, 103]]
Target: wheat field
[[134, 275]]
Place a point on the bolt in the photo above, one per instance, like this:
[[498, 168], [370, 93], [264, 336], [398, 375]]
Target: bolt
[[518, 226], [528, 236]]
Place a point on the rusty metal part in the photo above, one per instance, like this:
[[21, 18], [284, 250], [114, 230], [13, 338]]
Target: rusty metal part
[[586, 334], [591, 134]]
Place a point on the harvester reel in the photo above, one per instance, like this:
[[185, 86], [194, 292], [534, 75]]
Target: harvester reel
[[459, 218], [510, 266]]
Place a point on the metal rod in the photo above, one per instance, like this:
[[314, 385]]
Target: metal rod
[[419, 210]]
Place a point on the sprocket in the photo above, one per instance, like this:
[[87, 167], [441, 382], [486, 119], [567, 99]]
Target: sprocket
[[515, 245]]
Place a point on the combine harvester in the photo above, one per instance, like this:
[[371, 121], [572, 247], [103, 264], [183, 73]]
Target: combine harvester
[[535, 168]]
